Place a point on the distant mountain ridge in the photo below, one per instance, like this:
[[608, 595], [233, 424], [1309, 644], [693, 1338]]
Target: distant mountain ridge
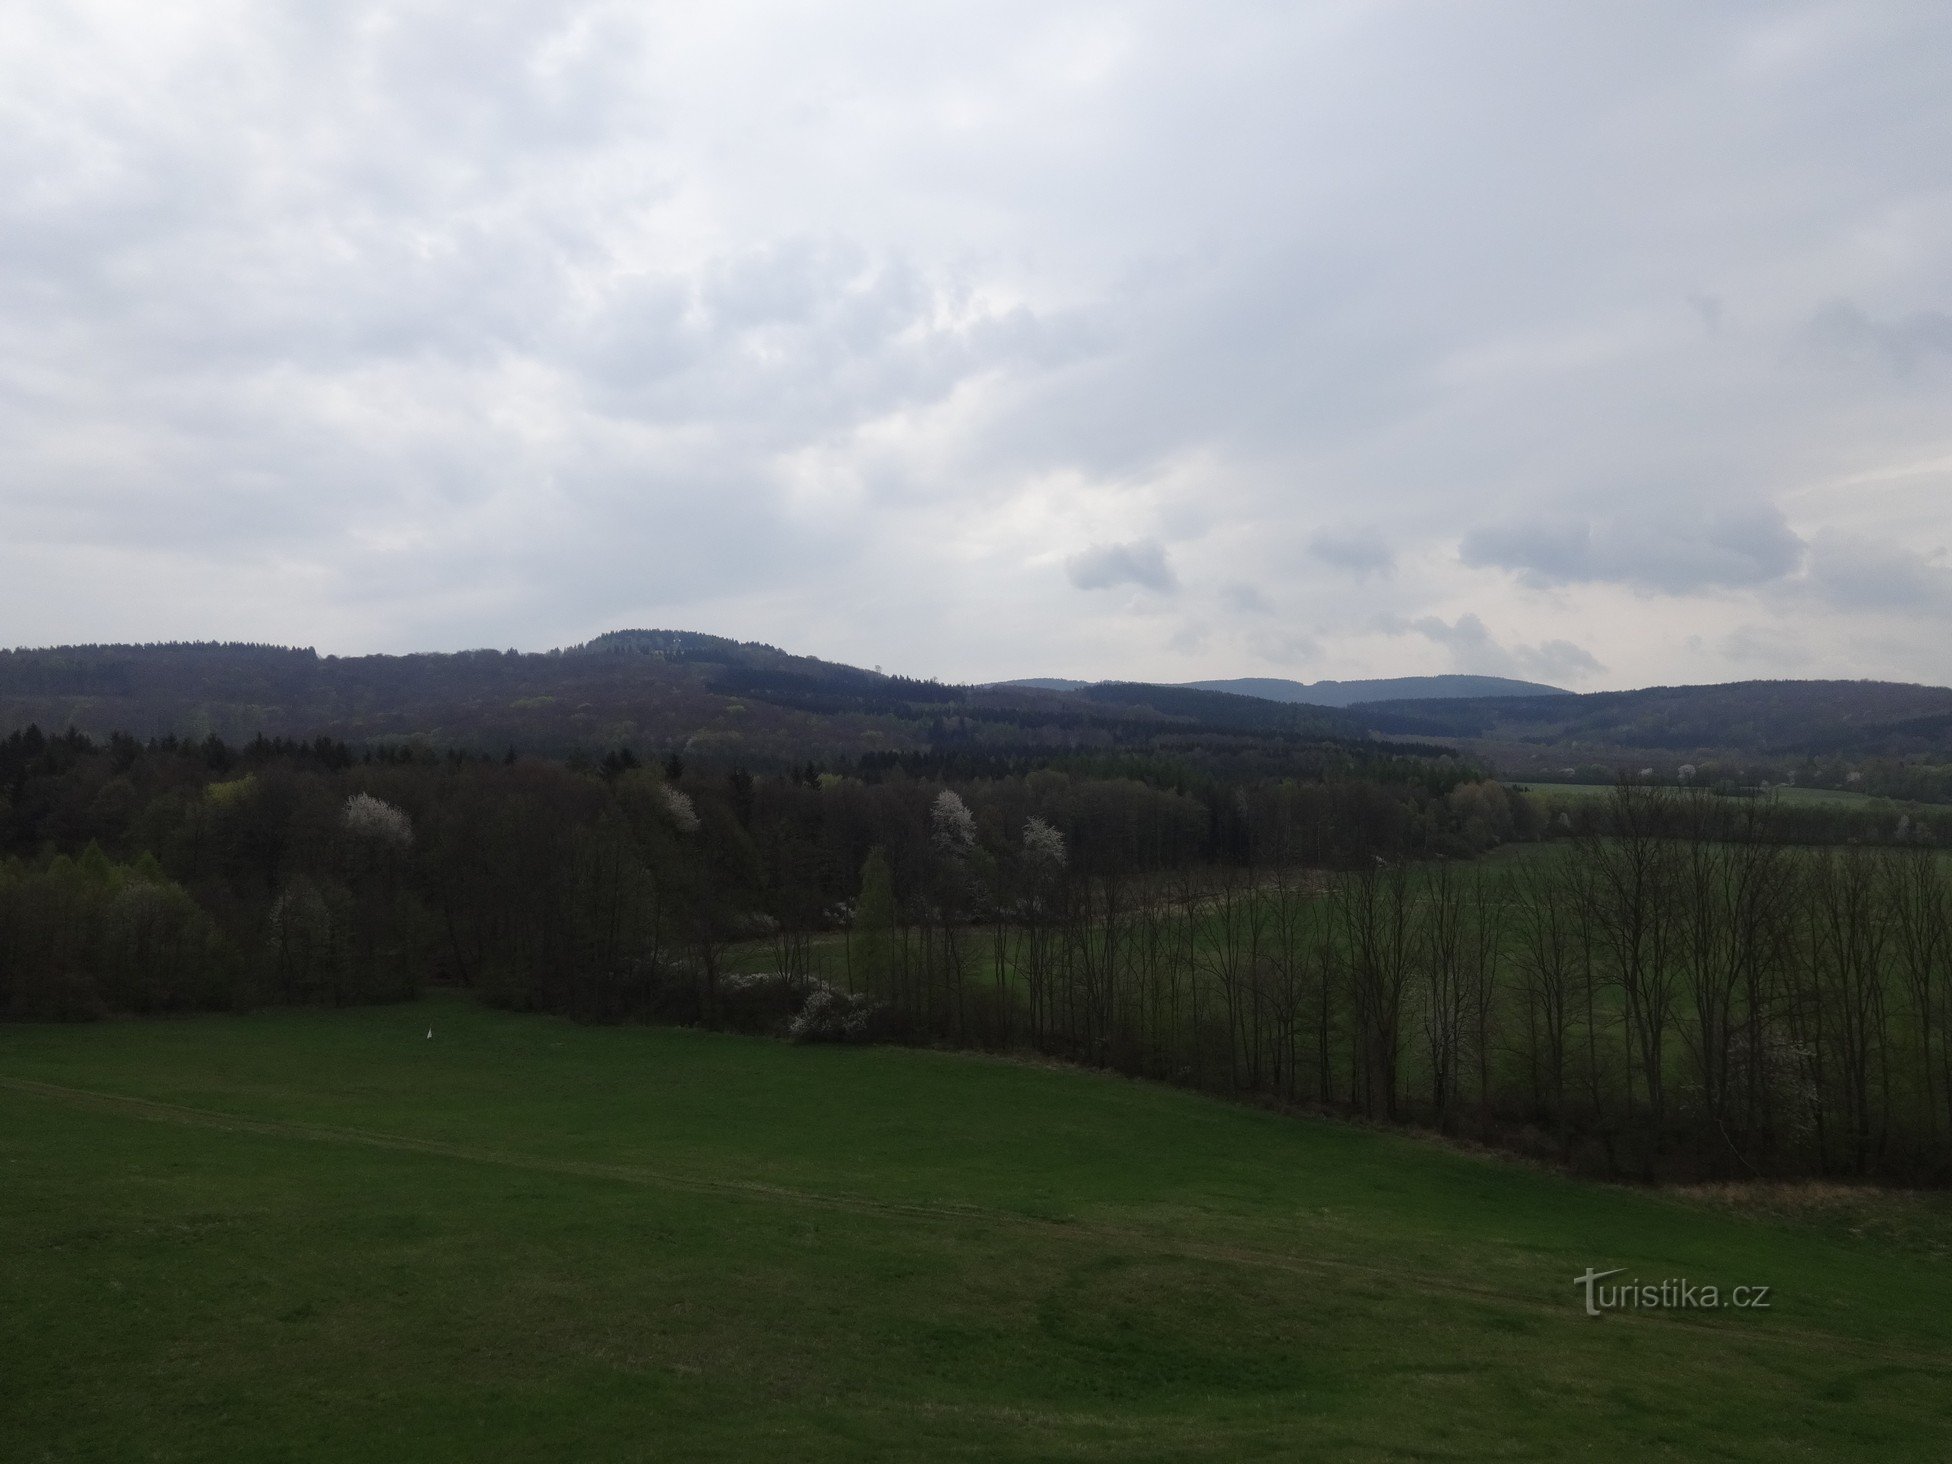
[[1801, 718], [1337, 693], [748, 703], [1896, 736], [735, 702], [1383, 688]]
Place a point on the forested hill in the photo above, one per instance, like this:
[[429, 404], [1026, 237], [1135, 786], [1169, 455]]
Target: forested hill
[[746, 702], [650, 690], [1805, 719]]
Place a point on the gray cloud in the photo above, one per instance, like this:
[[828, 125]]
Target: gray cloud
[[1106, 566], [1359, 551], [1559, 660], [375, 327], [1856, 573], [1764, 645], [1685, 550], [1245, 598], [1285, 648], [1473, 649], [1842, 331]]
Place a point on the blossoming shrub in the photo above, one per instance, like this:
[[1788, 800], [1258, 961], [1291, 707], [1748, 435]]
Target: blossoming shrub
[[952, 826], [679, 808], [372, 818], [833, 1015], [803, 1008]]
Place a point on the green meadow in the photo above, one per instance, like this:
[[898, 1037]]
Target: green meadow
[[1780, 795], [323, 1235]]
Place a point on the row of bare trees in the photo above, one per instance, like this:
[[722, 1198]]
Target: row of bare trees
[[1680, 994]]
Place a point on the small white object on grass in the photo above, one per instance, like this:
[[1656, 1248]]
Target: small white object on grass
[[430, 1033]]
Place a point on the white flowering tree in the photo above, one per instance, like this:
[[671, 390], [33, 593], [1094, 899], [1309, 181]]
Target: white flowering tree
[[367, 817], [678, 806], [952, 827], [1043, 846]]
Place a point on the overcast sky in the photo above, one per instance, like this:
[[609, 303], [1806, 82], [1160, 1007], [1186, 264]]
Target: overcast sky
[[1599, 344]]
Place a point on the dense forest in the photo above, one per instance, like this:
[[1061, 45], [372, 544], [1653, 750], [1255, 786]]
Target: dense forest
[[170, 875]]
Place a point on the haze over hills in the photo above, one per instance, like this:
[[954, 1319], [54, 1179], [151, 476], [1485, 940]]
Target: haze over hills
[[1338, 693]]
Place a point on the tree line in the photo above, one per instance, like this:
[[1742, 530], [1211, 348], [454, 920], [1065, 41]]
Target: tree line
[[1674, 990], [1670, 986], [175, 875]]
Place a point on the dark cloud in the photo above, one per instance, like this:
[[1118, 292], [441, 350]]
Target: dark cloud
[[1684, 551], [1106, 566]]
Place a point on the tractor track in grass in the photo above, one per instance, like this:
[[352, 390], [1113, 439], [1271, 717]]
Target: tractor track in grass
[[156, 1111]]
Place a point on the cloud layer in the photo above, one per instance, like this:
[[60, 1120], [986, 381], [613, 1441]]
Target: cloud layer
[[1003, 339], [1677, 552], [1106, 566]]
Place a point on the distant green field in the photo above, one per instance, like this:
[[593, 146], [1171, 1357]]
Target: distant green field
[[1795, 797], [323, 1236]]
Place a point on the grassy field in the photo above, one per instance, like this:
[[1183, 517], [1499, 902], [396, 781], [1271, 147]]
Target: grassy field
[[1781, 794], [322, 1235]]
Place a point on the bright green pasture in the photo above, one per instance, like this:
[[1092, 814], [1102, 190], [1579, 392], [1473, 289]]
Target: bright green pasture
[[325, 1236]]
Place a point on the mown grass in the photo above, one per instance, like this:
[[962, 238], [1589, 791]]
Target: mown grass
[[321, 1235]]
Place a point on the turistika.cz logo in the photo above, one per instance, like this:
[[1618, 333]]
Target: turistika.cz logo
[[1673, 1294]]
